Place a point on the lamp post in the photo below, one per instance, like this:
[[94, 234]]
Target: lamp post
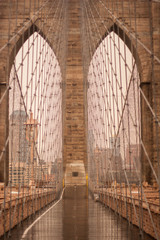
[[31, 136]]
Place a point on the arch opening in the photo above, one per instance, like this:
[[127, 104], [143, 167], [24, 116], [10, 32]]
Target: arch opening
[[125, 38], [114, 114], [35, 115]]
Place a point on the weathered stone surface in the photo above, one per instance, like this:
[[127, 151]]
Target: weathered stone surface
[[75, 173], [74, 125]]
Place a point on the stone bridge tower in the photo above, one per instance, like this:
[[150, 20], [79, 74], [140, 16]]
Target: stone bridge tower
[[74, 123]]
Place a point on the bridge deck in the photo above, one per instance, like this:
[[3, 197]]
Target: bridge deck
[[76, 216]]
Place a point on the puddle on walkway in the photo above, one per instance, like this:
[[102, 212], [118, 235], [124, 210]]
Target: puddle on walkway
[[78, 217], [84, 219]]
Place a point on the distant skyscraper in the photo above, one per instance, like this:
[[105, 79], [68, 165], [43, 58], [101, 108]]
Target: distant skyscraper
[[18, 145], [91, 141], [130, 125], [114, 144]]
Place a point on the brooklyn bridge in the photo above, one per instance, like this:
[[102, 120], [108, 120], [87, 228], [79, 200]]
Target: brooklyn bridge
[[80, 119]]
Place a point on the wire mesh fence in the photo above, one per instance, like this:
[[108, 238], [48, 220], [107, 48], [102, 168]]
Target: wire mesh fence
[[121, 64]]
